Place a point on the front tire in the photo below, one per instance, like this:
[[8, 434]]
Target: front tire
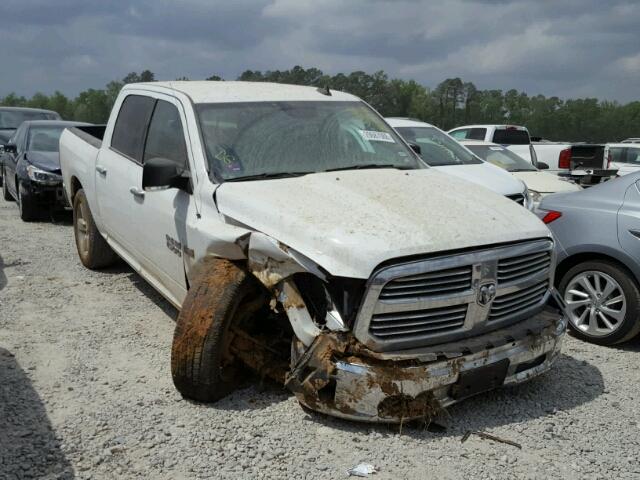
[[202, 365], [93, 249], [603, 302], [26, 204]]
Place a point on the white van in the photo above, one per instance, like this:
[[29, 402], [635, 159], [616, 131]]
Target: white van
[[442, 152]]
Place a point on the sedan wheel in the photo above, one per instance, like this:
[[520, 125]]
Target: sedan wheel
[[596, 303], [603, 302]]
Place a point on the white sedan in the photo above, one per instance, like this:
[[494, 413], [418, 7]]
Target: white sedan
[[539, 183]]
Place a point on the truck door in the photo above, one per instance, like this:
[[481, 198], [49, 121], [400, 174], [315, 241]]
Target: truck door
[[162, 215], [118, 167]]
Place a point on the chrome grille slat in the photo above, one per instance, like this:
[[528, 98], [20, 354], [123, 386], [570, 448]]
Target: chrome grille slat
[[499, 304], [417, 315], [507, 262], [448, 319], [516, 268], [433, 283], [506, 305], [418, 322]]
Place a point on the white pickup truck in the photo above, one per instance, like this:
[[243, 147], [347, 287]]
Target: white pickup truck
[[300, 236]]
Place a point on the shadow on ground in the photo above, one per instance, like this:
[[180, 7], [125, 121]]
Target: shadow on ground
[[3, 277], [28, 447]]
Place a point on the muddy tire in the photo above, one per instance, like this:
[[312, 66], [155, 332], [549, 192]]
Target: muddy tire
[[26, 204], [5, 191], [222, 295], [93, 249]]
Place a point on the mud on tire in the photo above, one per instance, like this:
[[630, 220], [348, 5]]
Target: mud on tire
[[221, 296], [93, 249]]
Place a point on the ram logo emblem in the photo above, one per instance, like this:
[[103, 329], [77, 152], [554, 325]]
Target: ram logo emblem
[[486, 294]]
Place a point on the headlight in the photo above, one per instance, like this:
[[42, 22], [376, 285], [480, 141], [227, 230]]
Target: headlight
[[536, 197], [42, 176], [529, 201]]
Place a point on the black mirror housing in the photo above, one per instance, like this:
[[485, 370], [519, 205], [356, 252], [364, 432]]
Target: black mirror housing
[[542, 166], [163, 173], [10, 148], [415, 147]]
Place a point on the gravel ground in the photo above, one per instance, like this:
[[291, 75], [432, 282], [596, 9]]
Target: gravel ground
[[86, 392]]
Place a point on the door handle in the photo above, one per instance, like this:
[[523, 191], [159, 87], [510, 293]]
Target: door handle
[[136, 192], [101, 170]]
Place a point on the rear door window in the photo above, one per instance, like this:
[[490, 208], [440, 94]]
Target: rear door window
[[131, 126], [165, 138], [476, 133], [511, 136]]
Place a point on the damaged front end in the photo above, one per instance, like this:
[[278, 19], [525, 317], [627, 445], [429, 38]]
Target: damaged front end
[[345, 364]]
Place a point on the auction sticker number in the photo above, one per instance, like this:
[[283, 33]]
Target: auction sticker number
[[373, 136]]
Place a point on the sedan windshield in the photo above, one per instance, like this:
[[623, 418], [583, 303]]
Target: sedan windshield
[[502, 157], [11, 119], [44, 139], [437, 148], [275, 139]]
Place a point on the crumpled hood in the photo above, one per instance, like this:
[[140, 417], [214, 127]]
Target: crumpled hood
[[545, 182], [349, 222], [49, 161]]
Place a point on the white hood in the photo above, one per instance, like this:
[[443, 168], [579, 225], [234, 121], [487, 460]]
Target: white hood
[[545, 182], [487, 175], [349, 222]]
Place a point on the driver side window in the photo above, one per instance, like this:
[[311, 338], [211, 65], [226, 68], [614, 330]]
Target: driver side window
[[165, 138]]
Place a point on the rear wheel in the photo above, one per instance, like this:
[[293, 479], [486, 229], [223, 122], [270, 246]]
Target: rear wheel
[[5, 191], [93, 249], [223, 296], [603, 302], [26, 204]]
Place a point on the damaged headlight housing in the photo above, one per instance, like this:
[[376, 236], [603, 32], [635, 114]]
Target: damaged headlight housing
[[535, 198], [42, 176]]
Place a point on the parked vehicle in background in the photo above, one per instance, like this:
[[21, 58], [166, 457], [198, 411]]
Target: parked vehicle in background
[[598, 232], [12, 117], [623, 157], [442, 152], [31, 170], [299, 235], [631, 140], [538, 183], [515, 137]]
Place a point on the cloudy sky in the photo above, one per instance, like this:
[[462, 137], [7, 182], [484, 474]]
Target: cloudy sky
[[569, 48]]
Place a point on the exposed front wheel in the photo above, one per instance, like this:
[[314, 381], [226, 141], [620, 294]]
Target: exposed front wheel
[[603, 302], [93, 249], [223, 296]]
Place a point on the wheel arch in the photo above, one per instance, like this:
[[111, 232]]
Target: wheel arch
[[586, 256], [74, 186]]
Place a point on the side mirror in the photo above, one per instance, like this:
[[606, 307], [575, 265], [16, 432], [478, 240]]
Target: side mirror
[[10, 148], [415, 147], [163, 173], [542, 166]]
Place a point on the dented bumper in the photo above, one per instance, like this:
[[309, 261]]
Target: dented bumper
[[338, 376]]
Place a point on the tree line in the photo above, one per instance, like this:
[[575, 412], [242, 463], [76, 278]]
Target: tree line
[[452, 103]]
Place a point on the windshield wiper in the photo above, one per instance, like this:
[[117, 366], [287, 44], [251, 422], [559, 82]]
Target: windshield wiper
[[523, 170], [367, 166], [267, 176]]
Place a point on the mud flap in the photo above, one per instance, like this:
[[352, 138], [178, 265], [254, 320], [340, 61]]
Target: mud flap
[[480, 380]]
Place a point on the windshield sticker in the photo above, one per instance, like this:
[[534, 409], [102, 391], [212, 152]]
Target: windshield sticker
[[499, 149], [228, 159], [373, 136]]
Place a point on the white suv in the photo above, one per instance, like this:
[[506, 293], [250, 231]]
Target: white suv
[[442, 152]]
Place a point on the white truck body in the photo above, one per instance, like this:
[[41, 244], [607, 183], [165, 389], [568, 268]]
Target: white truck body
[[371, 227], [514, 137], [624, 157], [473, 170]]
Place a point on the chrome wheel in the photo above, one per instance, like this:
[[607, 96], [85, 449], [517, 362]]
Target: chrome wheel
[[596, 303], [82, 229]]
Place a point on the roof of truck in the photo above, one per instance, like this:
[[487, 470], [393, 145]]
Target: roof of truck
[[492, 125], [207, 91]]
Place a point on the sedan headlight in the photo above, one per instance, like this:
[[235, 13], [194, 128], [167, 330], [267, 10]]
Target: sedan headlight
[[42, 176], [536, 197]]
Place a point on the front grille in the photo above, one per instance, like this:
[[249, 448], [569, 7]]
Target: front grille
[[518, 198], [510, 304], [516, 268], [444, 282], [417, 323], [437, 300]]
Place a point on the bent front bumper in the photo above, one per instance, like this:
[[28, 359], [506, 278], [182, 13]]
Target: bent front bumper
[[339, 377]]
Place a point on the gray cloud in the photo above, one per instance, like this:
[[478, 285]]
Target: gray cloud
[[570, 48]]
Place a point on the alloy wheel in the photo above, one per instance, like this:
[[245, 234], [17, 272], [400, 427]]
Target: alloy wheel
[[596, 303]]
